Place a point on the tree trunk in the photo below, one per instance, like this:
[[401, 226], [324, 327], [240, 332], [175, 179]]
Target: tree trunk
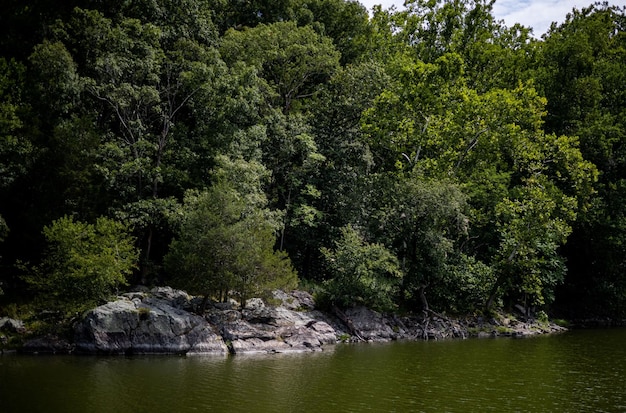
[[492, 294], [205, 300], [145, 267], [423, 300]]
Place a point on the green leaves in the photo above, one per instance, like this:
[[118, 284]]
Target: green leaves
[[362, 273], [84, 263], [15, 150], [225, 238], [465, 152], [582, 74], [53, 61], [532, 228], [291, 59]]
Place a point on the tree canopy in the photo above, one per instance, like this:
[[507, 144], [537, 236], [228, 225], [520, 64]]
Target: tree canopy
[[426, 158]]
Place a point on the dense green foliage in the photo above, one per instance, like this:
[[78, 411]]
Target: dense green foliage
[[428, 158], [83, 264], [361, 273], [225, 238]]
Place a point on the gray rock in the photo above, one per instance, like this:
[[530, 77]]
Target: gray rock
[[295, 300], [175, 298], [371, 325], [277, 330], [143, 323], [228, 305], [260, 315], [148, 326], [255, 304], [135, 295], [158, 321], [247, 338], [49, 344], [11, 325], [313, 335]]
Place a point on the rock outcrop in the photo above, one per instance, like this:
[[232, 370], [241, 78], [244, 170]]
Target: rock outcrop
[[11, 325], [159, 321], [260, 328], [364, 324], [162, 321], [147, 323]]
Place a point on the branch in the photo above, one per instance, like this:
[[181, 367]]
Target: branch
[[119, 116], [473, 143]]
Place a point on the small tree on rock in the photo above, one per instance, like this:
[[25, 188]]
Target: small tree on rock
[[225, 238]]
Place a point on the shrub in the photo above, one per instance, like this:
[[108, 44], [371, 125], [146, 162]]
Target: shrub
[[83, 263]]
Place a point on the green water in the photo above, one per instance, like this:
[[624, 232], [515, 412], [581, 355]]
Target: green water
[[581, 371]]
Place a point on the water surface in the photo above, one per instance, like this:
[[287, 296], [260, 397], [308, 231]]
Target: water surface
[[573, 372]]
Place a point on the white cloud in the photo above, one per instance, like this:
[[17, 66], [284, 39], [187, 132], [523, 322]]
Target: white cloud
[[538, 14]]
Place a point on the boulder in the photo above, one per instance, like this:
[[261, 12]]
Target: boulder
[[11, 325], [157, 322], [295, 300], [48, 344], [371, 325], [148, 325], [175, 298], [264, 329]]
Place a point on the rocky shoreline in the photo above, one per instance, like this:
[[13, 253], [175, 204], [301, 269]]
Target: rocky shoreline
[[162, 321]]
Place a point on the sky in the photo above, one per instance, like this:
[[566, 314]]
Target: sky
[[538, 14]]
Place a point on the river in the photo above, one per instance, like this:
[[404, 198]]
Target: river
[[578, 371]]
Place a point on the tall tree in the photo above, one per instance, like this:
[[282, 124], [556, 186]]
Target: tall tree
[[582, 73], [431, 121], [423, 221], [138, 79], [225, 238], [292, 59]]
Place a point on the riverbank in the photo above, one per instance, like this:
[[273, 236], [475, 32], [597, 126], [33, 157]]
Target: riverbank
[[166, 321]]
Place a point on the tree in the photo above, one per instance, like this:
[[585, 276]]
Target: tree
[[225, 238], [14, 149], [250, 13], [493, 146], [345, 22], [338, 181], [17, 157], [362, 273], [423, 221], [582, 75], [138, 75], [83, 263], [292, 59]]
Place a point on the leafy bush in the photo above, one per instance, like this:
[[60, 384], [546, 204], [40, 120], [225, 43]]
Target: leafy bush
[[362, 273], [83, 264], [226, 236]]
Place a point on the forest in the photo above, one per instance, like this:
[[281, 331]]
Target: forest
[[430, 158]]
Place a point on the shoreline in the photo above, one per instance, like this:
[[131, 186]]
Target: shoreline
[[162, 321]]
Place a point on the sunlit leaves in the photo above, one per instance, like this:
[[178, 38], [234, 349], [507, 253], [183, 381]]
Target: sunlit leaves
[[291, 59], [84, 263]]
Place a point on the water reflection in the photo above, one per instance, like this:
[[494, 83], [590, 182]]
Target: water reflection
[[579, 371]]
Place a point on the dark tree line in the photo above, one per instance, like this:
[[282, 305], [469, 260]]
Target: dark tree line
[[429, 158]]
